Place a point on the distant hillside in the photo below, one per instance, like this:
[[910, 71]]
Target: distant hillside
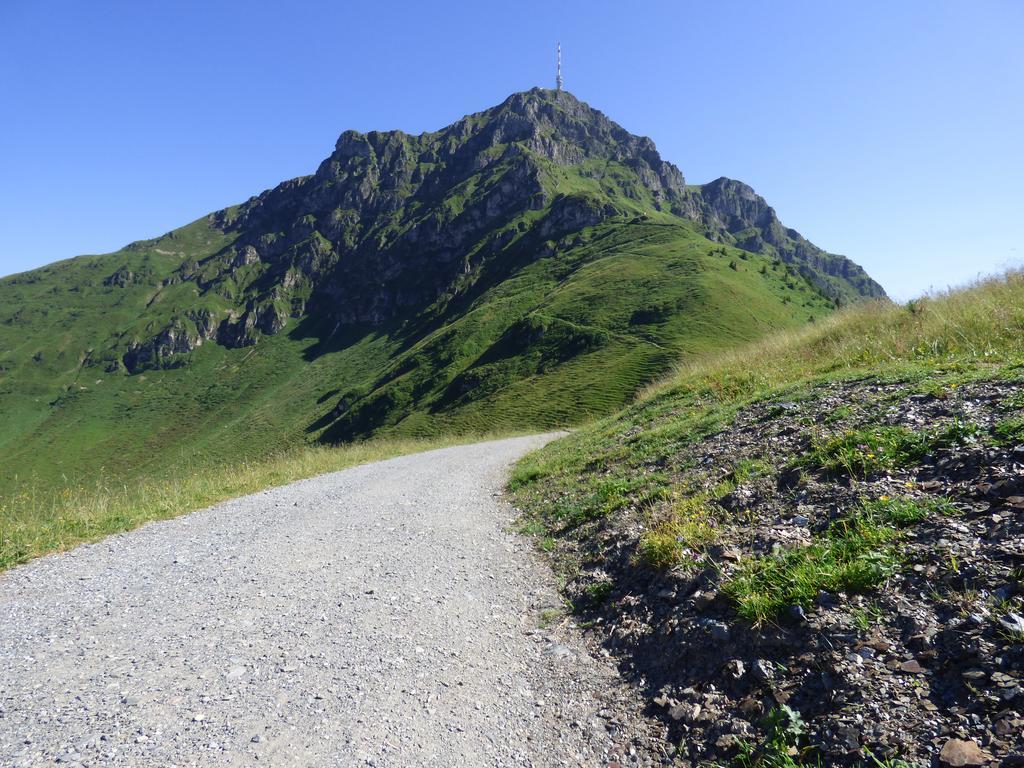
[[529, 266]]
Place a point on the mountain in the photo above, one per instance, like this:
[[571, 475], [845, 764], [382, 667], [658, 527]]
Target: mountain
[[532, 265]]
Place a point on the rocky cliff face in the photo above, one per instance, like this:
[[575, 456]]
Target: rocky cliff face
[[391, 224], [732, 212]]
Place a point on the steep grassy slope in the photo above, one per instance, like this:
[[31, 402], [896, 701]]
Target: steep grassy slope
[[830, 519]]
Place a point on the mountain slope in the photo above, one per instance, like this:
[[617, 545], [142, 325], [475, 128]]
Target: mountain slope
[[532, 265]]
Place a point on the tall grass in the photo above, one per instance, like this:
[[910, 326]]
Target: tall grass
[[37, 519], [979, 325]]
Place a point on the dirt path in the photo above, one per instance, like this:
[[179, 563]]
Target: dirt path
[[381, 616]]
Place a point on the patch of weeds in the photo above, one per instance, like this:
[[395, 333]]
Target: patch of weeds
[[940, 390], [681, 539], [523, 474], [532, 527], [547, 544], [549, 616], [853, 555], [1010, 431], [958, 432], [842, 413], [747, 469], [774, 412], [1014, 402], [866, 615], [901, 512], [862, 452], [743, 470], [599, 592], [573, 512], [610, 495], [889, 762], [784, 744], [1011, 635]]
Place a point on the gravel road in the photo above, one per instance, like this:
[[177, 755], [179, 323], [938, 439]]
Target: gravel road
[[384, 616]]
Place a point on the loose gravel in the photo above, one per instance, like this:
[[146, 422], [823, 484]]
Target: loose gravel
[[383, 616]]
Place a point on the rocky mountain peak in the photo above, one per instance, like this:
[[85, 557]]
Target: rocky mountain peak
[[392, 223]]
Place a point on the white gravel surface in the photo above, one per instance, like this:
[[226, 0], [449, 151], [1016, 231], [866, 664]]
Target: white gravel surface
[[384, 615]]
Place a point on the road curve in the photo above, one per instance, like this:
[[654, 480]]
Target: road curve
[[382, 616]]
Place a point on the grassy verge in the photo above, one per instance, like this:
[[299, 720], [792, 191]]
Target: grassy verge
[[36, 519]]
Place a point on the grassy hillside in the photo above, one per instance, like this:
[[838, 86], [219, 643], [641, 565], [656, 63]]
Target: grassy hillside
[[564, 337], [829, 519]]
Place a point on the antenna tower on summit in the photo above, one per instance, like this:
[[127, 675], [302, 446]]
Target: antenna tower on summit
[[558, 68]]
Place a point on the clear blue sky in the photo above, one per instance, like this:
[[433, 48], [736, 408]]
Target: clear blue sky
[[892, 132]]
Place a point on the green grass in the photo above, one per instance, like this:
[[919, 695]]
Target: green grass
[[862, 452], [681, 538], [869, 450], [37, 519], [902, 512], [1010, 431], [865, 616], [854, 555], [170, 437]]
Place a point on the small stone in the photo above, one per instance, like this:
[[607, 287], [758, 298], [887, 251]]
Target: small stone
[[1013, 622], [719, 631], [751, 707], [762, 670], [560, 651], [911, 667], [686, 712], [1008, 726], [1005, 592], [702, 600], [727, 741], [735, 669], [957, 753]]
